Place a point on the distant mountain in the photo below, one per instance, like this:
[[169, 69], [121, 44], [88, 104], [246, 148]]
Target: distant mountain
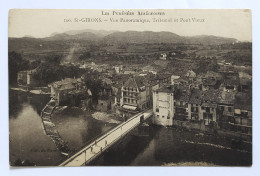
[[209, 39], [143, 37], [28, 36], [163, 37], [81, 36], [109, 37], [100, 33], [55, 33]]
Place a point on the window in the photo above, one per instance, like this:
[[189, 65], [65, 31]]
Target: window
[[157, 109], [244, 113], [168, 117], [174, 103], [229, 109], [207, 109], [157, 116], [202, 108], [162, 116]]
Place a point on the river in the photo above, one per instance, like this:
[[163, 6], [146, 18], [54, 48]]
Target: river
[[176, 147], [28, 141], [161, 146]]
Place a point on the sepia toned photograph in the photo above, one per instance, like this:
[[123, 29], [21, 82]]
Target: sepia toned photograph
[[130, 87]]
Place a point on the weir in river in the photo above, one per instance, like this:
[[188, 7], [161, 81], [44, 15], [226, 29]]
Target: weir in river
[[50, 128]]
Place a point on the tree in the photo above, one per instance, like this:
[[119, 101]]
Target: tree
[[54, 59], [84, 56], [34, 64], [95, 86], [207, 65], [49, 72]]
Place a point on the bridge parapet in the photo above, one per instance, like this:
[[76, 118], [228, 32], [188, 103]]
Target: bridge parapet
[[102, 143]]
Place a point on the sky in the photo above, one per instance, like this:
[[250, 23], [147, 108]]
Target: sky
[[42, 23]]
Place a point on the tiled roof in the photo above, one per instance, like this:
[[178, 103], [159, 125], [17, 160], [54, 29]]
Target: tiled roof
[[136, 82], [226, 97], [195, 97], [166, 89], [212, 74], [103, 97], [209, 82], [66, 87], [209, 104], [230, 82], [140, 81], [210, 95], [243, 101], [131, 83], [65, 81], [183, 97], [245, 75], [182, 93]]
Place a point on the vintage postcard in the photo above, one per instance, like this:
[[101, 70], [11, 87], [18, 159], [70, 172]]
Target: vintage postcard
[[130, 87]]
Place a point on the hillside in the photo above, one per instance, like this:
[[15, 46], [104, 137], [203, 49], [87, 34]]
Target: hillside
[[143, 37], [209, 40], [64, 41], [80, 36]]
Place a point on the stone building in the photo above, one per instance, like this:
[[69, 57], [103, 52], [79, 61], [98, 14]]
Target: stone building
[[136, 94], [60, 89], [163, 106], [181, 99], [26, 78], [194, 105], [243, 113], [209, 105], [104, 104]]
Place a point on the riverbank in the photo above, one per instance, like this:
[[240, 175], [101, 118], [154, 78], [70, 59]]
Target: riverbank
[[200, 127], [175, 146], [108, 118], [33, 90]]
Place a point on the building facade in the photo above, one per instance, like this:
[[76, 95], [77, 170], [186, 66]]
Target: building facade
[[163, 107]]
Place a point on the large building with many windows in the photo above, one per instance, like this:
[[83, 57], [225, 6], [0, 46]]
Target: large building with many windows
[[135, 95], [163, 106]]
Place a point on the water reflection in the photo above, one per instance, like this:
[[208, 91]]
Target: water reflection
[[28, 140], [78, 127], [163, 145], [169, 145]]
